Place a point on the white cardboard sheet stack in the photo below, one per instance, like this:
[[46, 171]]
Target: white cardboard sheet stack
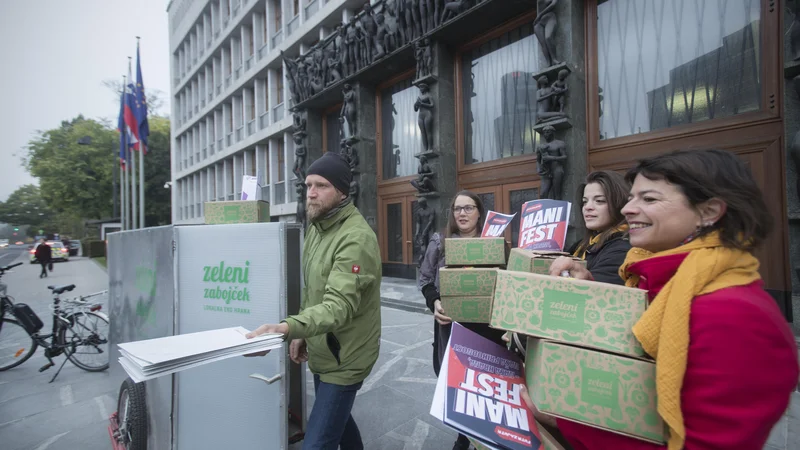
[[152, 358]]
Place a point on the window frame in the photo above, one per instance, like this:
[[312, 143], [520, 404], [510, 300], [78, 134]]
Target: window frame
[[771, 80], [397, 185], [511, 170]]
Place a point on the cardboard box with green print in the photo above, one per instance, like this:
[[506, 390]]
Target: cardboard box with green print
[[468, 309], [473, 281], [599, 389], [475, 252], [239, 211], [585, 313], [521, 260]]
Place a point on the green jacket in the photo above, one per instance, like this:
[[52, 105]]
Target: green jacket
[[340, 313]]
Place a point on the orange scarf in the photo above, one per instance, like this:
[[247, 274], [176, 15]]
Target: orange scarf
[[663, 330]]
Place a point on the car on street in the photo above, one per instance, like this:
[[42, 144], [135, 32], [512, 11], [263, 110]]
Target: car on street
[[19, 243], [3, 243], [74, 248], [58, 251]]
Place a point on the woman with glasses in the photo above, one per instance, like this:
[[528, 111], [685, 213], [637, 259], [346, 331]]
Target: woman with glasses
[[466, 218]]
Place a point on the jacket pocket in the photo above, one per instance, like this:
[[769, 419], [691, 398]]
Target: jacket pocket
[[333, 346]]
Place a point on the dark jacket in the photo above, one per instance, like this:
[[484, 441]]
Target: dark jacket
[[44, 253], [739, 339], [604, 262], [429, 285]]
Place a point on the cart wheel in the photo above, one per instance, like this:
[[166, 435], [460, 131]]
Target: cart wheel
[[132, 415]]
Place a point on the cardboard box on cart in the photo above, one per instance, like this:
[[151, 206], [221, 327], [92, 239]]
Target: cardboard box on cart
[[596, 388], [585, 313], [238, 211]]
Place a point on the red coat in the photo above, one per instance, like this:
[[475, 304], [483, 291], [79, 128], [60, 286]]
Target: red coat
[[742, 367]]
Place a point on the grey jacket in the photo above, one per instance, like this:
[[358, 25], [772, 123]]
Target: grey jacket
[[428, 281]]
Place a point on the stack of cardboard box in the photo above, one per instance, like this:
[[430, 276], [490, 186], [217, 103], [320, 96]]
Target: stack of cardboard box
[[467, 283], [583, 362]]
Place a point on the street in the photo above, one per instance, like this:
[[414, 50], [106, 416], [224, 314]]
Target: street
[[72, 413]]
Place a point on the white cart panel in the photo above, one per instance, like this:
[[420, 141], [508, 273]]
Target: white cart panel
[[231, 275]]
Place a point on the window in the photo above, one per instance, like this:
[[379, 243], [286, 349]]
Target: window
[[266, 95], [266, 34], [401, 137], [252, 107], [333, 130], [279, 86], [295, 7], [250, 42], [278, 17], [666, 63], [499, 97], [281, 161]]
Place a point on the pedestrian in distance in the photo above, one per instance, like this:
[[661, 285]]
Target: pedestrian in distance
[[44, 256], [338, 329]]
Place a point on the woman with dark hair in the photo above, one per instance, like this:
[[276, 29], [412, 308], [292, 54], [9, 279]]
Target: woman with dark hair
[[467, 215], [605, 238], [726, 360]]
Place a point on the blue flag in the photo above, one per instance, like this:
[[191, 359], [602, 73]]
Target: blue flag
[[121, 128], [140, 103]]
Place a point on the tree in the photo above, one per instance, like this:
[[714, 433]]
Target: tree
[[157, 173], [25, 206], [76, 179]]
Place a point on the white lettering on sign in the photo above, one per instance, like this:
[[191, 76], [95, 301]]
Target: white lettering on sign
[[482, 393]]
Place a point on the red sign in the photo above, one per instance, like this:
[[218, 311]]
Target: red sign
[[544, 225], [496, 224]]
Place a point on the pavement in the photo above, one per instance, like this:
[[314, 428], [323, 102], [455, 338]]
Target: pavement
[[391, 409], [73, 411]]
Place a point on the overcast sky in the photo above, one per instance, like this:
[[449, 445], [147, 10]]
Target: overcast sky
[[55, 55]]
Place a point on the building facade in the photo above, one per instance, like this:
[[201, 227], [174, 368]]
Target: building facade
[[428, 97]]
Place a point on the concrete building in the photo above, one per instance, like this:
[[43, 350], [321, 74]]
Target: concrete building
[[641, 79]]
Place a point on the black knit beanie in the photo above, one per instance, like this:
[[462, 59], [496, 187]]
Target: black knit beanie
[[333, 168]]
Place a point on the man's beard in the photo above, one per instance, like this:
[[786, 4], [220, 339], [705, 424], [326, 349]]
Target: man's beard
[[317, 210]]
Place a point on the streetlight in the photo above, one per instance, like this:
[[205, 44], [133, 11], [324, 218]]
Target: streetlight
[[87, 140]]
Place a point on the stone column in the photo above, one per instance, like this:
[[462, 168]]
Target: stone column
[[365, 189], [569, 59], [437, 173], [791, 110], [307, 137]]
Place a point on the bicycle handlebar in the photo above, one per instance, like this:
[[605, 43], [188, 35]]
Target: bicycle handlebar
[[9, 267]]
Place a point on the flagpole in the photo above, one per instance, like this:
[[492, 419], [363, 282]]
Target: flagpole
[[124, 172], [134, 203], [141, 153]]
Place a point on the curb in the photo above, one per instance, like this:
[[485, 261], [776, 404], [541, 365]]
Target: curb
[[404, 305]]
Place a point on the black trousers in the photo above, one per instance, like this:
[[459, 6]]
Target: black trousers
[[44, 268]]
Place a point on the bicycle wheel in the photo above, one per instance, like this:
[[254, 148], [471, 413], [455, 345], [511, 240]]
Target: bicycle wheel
[[86, 340], [132, 415], [16, 345]]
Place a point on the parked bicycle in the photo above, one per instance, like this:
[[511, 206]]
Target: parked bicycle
[[80, 331]]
